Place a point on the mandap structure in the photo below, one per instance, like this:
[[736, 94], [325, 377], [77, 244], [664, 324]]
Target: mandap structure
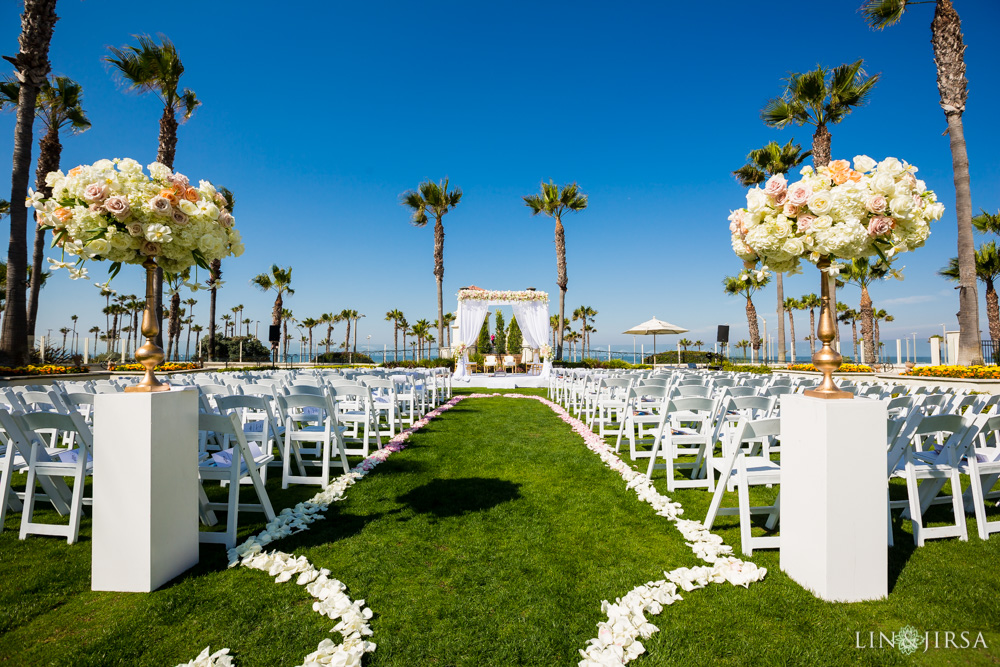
[[531, 310]]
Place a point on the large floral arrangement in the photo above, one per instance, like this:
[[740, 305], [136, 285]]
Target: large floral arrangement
[[111, 210], [460, 348], [835, 211], [502, 295], [545, 351]]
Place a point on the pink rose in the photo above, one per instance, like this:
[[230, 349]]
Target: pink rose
[[735, 219], [220, 201], [880, 225], [790, 209], [160, 205], [799, 195], [150, 248], [134, 228], [97, 208], [775, 185], [95, 193], [118, 206], [226, 220], [779, 198], [179, 179], [179, 217], [877, 204], [804, 222]]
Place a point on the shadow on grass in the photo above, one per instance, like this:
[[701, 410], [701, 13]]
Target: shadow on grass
[[454, 497]]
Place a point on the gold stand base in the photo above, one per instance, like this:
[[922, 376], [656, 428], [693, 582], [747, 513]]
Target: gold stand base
[[819, 393], [147, 389]]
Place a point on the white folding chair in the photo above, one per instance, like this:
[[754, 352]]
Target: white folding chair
[[325, 433], [231, 466]]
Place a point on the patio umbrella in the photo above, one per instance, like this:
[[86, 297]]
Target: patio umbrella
[[654, 327]]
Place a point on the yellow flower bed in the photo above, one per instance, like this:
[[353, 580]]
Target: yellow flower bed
[[962, 372], [47, 369], [169, 366], [845, 368]]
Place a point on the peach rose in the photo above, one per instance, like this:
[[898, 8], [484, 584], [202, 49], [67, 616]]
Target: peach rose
[[63, 213], [75, 171], [804, 222], [840, 177], [839, 165], [169, 195], [191, 195], [790, 209]]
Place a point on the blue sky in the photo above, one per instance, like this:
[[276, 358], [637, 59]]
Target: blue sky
[[319, 118]]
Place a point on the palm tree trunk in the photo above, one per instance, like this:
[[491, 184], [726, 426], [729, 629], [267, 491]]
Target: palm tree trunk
[[781, 317], [752, 322], [354, 349], [791, 330], [276, 310], [175, 322], [439, 272], [562, 281], [877, 341], [310, 344], [992, 311], [215, 273], [347, 340], [868, 326], [187, 347], [821, 146], [50, 152], [812, 331], [854, 339], [949, 49], [395, 340]]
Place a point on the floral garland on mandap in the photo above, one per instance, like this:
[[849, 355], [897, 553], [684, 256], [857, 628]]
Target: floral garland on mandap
[[111, 210], [837, 212], [502, 295]]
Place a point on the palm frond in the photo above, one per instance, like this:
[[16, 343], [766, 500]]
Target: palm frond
[[748, 175], [188, 103], [881, 14], [10, 90], [535, 203], [779, 112]]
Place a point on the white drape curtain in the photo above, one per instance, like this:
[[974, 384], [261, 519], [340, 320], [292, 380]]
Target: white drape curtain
[[471, 315], [533, 318]]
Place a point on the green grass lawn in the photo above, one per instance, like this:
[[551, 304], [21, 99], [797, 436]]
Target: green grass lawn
[[491, 540]]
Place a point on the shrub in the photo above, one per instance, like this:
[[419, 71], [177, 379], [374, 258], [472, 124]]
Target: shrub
[[343, 358], [515, 339], [501, 339], [424, 363], [483, 344], [746, 368], [46, 369], [165, 367]]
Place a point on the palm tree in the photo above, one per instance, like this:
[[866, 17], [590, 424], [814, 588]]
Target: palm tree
[[435, 199], [790, 306], [226, 319], [745, 285], [699, 344], [59, 107], [449, 318], [763, 163], [348, 315], [31, 65], [862, 272], [197, 329], [881, 315], [420, 330], [95, 330], [555, 202], [811, 302], [554, 325], [356, 318], [237, 310], [310, 323], [987, 223], [684, 344], [743, 345], [279, 280], [65, 332], [74, 318], [571, 337], [987, 270], [404, 328], [850, 316], [949, 58], [329, 319], [395, 316], [156, 68], [286, 315], [821, 97]]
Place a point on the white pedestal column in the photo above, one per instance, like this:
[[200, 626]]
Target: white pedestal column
[[145, 489], [834, 524]]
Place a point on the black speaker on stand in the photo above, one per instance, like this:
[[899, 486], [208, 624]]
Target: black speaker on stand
[[723, 338]]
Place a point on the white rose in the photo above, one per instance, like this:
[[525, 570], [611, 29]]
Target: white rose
[[793, 246], [884, 184], [821, 222], [863, 163], [820, 202], [901, 206], [934, 211], [209, 209], [757, 200], [189, 208], [890, 166], [129, 166], [159, 172], [157, 233], [98, 247]]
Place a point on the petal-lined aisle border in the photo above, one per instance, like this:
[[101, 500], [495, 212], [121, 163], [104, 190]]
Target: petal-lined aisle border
[[617, 641], [331, 600]]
